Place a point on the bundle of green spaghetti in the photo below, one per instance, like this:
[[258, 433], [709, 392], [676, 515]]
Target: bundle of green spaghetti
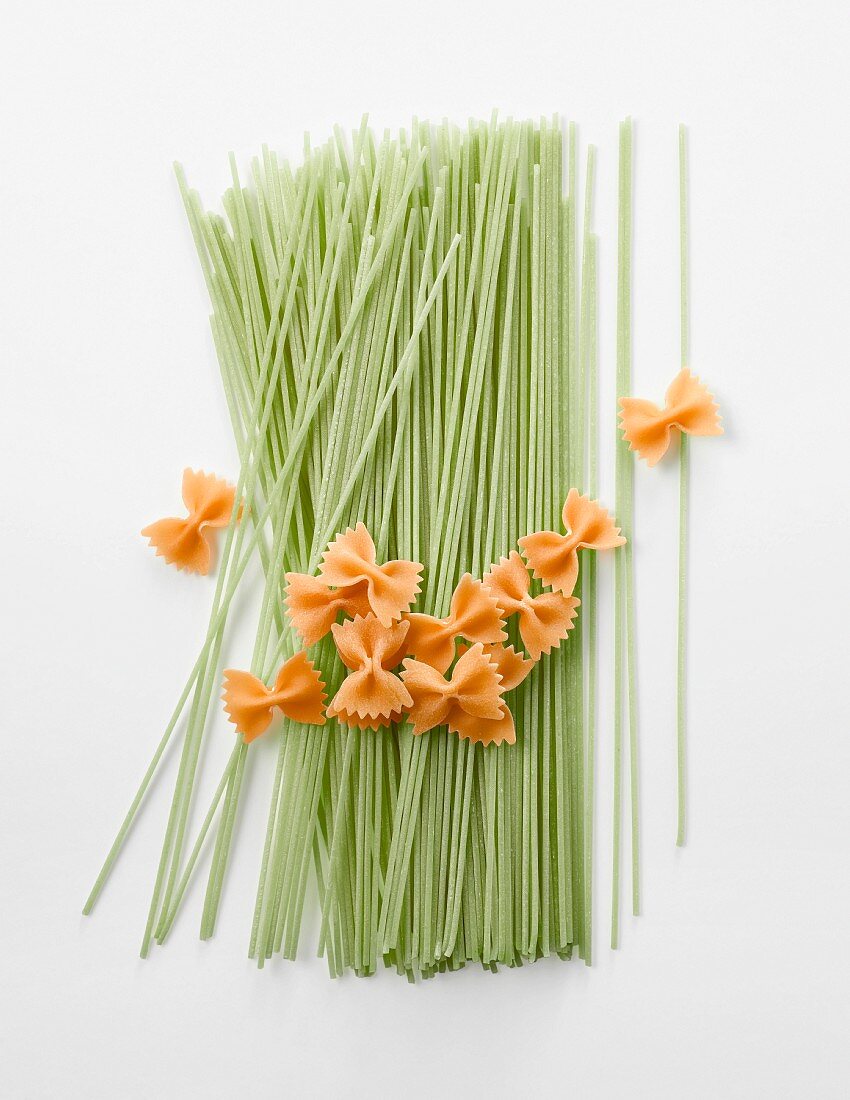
[[406, 337]]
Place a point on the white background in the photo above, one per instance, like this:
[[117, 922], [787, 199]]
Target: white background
[[733, 983]]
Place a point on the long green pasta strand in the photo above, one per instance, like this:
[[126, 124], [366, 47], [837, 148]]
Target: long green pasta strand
[[621, 460], [684, 478], [589, 414], [628, 549], [575, 643]]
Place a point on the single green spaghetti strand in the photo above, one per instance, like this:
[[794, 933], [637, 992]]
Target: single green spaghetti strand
[[629, 473], [550, 153], [590, 586], [684, 479], [520, 465], [575, 645], [589, 462], [619, 561]]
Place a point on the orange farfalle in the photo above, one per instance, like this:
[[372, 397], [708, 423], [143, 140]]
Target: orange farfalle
[[186, 542], [689, 408], [554, 557], [544, 620], [474, 614], [469, 703], [312, 605], [351, 560], [298, 691], [371, 695], [511, 666]]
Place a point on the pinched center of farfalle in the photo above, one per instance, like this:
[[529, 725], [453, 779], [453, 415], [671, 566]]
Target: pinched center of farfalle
[[473, 691], [371, 691], [474, 614], [544, 620]]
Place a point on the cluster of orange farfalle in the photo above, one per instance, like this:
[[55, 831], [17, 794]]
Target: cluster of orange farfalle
[[430, 671], [452, 671]]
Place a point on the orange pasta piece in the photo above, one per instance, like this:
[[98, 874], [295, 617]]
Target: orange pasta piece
[[469, 702], [298, 691], [371, 692], [313, 606], [544, 620], [186, 542], [474, 614], [351, 560], [688, 407], [554, 557]]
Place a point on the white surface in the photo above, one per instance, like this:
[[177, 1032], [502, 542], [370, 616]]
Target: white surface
[[734, 981]]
